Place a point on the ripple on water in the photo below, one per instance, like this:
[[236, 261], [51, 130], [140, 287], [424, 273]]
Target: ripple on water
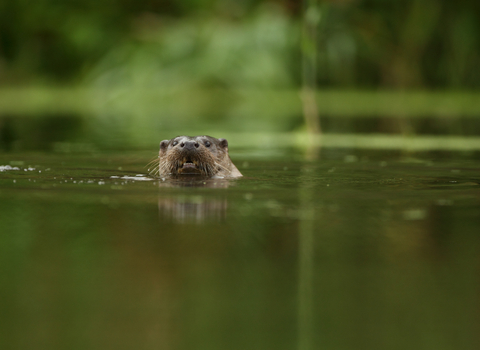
[[138, 177]]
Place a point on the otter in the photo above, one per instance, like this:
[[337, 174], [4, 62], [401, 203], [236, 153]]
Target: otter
[[198, 155]]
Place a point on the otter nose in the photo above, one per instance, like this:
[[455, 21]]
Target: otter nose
[[190, 145]]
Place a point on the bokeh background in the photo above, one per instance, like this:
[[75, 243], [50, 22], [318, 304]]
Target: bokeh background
[[125, 74], [367, 242]]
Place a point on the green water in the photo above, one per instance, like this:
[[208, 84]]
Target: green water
[[347, 249]]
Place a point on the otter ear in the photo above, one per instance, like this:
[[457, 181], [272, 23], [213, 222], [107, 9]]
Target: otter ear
[[223, 143], [164, 144]]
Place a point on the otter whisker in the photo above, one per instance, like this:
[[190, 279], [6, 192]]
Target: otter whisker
[[153, 162], [223, 167], [210, 169], [153, 166]]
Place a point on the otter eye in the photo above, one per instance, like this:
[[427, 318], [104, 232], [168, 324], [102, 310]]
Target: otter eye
[[207, 144], [175, 143]]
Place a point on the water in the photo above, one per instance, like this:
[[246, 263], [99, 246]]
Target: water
[[342, 250]]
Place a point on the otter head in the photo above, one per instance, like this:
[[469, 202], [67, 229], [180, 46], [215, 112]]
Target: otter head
[[199, 155]]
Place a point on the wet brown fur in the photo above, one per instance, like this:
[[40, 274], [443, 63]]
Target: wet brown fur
[[207, 161]]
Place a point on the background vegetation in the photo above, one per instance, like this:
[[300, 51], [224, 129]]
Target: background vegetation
[[205, 65], [366, 44]]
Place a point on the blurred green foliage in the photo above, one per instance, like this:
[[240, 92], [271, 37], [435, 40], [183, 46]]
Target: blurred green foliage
[[208, 53], [140, 71], [366, 44]]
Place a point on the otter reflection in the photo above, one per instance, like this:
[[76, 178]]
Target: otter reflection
[[194, 207]]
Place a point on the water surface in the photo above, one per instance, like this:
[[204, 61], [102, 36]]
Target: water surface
[[341, 250]]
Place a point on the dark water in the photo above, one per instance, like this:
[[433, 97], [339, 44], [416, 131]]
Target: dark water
[[346, 251]]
